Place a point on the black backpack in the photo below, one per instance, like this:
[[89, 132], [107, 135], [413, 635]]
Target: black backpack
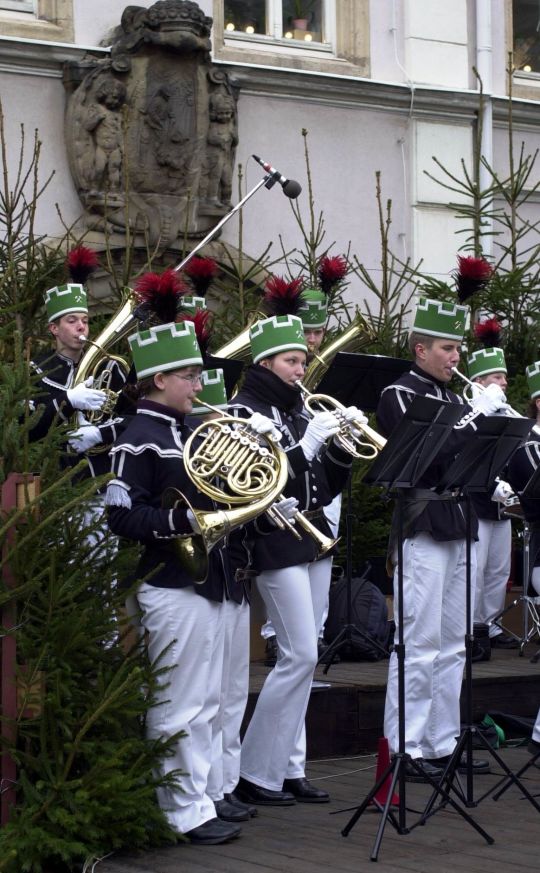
[[369, 614]]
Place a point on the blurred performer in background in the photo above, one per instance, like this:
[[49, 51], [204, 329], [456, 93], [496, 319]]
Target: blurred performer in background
[[59, 397], [434, 549], [292, 582], [522, 465], [487, 366]]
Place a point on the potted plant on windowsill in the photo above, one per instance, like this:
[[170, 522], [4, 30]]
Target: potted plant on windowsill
[[301, 13]]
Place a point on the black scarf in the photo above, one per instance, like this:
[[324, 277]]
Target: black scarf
[[269, 388]]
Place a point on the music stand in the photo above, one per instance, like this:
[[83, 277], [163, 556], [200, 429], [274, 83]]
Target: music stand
[[356, 380], [474, 470], [410, 450]]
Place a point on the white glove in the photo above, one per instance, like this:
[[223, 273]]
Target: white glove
[[193, 521], [287, 508], [85, 397], [490, 400], [84, 438], [322, 426], [502, 492], [261, 424], [352, 413], [476, 390]]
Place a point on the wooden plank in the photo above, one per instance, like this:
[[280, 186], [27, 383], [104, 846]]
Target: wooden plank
[[307, 839]]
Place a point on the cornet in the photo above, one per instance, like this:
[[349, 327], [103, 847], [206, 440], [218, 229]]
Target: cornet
[[355, 437]]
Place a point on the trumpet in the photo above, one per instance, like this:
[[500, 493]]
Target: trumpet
[[505, 408], [355, 437]]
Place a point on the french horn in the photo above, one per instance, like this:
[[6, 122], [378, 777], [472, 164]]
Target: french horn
[[247, 472]]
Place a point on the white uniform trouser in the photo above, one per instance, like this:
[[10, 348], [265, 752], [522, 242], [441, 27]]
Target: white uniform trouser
[[434, 637], [493, 552], [332, 513], [190, 626], [225, 767], [274, 746], [536, 728]]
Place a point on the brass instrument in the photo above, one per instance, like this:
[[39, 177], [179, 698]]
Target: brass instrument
[[505, 408], [102, 382], [231, 464], [357, 335], [121, 324], [355, 437], [238, 348]]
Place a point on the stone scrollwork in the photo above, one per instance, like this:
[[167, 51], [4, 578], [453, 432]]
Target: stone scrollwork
[[151, 131]]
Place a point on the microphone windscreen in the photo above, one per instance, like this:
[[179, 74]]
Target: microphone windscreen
[[292, 189]]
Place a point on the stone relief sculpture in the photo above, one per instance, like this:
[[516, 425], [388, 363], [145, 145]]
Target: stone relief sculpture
[[151, 131]]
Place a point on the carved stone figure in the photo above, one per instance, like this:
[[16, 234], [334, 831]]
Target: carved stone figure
[[158, 114], [216, 178]]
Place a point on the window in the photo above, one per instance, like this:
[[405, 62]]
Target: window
[[331, 37], [18, 5], [526, 30], [50, 20], [299, 21]]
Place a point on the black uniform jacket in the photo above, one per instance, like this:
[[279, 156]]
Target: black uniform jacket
[[56, 375], [147, 459], [314, 484], [443, 519], [521, 467]]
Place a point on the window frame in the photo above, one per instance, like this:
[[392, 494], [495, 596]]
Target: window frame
[[50, 20], [347, 27], [274, 14]]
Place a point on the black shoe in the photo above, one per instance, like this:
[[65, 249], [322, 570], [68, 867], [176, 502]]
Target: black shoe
[[480, 652], [533, 746], [213, 832], [228, 812], [322, 657], [305, 792], [232, 798], [270, 652], [422, 770], [504, 641], [479, 765], [251, 793]]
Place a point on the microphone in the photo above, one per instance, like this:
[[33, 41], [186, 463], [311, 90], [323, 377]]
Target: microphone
[[290, 188]]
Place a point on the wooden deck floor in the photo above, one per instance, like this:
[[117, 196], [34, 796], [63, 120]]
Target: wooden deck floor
[[307, 839]]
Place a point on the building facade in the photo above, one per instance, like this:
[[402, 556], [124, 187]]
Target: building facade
[[380, 86]]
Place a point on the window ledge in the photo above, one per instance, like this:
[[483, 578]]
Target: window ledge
[[53, 22]]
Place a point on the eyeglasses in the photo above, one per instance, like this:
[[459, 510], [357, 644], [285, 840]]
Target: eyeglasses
[[193, 378]]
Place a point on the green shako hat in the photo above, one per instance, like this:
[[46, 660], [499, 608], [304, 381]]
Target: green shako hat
[[191, 304], [63, 299], [438, 318], [533, 379], [165, 347], [485, 361], [313, 308], [213, 391], [279, 333]]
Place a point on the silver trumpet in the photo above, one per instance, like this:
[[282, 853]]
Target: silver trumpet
[[504, 408]]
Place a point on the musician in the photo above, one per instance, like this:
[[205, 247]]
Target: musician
[[433, 553], [182, 620], [225, 761], [292, 582], [487, 366], [313, 311]]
